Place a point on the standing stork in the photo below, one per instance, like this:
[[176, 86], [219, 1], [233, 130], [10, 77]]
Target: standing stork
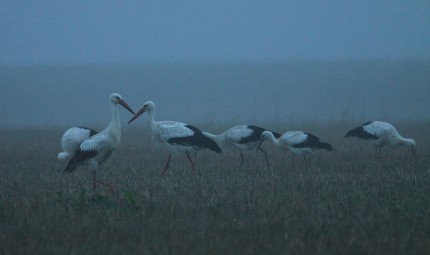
[[243, 138], [298, 142], [177, 136], [97, 148], [379, 134], [72, 138]]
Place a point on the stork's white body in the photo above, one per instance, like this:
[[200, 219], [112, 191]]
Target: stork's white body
[[163, 131], [298, 142], [293, 140], [72, 138], [103, 143], [379, 134], [242, 138]]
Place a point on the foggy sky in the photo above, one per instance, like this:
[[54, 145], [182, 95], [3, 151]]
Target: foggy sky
[[105, 32], [222, 62]]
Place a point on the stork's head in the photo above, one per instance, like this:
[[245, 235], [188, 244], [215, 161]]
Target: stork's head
[[264, 136], [116, 99], [411, 143], [149, 106], [406, 142]]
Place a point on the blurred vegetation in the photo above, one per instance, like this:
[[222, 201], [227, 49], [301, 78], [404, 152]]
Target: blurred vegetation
[[331, 203]]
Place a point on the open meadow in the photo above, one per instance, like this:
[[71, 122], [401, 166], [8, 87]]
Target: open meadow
[[344, 202]]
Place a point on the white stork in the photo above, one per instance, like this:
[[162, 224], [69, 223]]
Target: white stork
[[381, 133], [177, 136], [72, 138], [243, 138], [298, 142], [97, 148]]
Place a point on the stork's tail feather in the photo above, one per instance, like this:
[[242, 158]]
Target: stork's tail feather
[[276, 134], [202, 140], [360, 133], [210, 144], [63, 155], [326, 146], [356, 132]]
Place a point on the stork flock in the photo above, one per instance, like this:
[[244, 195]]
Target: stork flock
[[84, 146]]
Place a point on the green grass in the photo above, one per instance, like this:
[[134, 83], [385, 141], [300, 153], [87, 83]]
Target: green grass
[[332, 203]]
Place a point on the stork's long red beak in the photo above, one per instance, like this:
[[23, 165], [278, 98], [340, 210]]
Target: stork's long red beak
[[140, 112], [125, 105]]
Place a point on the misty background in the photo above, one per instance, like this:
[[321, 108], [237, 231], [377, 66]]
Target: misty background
[[202, 62]]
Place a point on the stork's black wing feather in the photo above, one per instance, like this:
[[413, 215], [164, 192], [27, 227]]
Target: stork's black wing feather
[[361, 133], [313, 141], [79, 157], [198, 139], [255, 135], [92, 131]]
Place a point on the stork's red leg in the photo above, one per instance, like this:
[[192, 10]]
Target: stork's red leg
[[167, 164], [267, 158], [241, 160], [93, 177], [192, 163], [95, 181]]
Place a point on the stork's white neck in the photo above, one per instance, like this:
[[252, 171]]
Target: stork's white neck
[[219, 139], [152, 122], [114, 127], [272, 139], [405, 141]]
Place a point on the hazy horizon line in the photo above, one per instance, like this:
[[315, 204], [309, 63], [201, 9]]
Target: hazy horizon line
[[226, 62]]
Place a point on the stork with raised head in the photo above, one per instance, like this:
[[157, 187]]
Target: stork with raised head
[[379, 134], [243, 138], [97, 148], [72, 138], [176, 136], [298, 142]]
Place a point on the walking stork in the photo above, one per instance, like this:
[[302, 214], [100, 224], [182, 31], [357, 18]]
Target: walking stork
[[243, 138], [379, 134], [176, 136]]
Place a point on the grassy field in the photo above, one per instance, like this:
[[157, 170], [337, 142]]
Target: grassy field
[[333, 203]]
